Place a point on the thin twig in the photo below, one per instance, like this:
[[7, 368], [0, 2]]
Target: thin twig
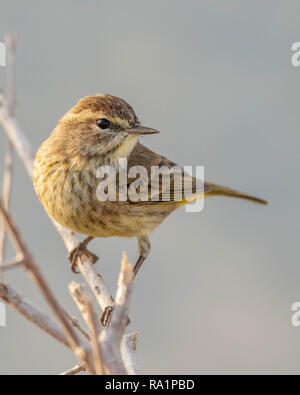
[[8, 158], [111, 337], [32, 313], [10, 45], [15, 135], [6, 188], [71, 372], [94, 330], [128, 351], [85, 306], [15, 263], [76, 324]]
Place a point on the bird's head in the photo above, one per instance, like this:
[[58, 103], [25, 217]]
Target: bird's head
[[101, 125]]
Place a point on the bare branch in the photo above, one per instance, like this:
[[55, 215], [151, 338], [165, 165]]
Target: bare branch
[[10, 44], [7, 177], [128, 342], [76, 324], [84, 304], [8, 158], [125, 285], [15, 263], [76, 369], [33, 314], [111, 337], [15, 135], [128, 351]]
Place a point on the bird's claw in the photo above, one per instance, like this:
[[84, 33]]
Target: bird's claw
[[76, 253]]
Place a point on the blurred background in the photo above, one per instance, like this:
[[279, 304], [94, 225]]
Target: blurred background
[[216, 79]]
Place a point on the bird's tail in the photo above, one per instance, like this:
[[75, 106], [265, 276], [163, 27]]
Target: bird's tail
[[213, 189]]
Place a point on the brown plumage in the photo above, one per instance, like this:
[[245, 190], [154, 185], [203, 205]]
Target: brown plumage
[[65, 173]]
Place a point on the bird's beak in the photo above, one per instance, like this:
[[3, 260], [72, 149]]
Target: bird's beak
[[141, 130]]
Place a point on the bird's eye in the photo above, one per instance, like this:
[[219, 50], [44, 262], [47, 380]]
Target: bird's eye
[[103, 123]]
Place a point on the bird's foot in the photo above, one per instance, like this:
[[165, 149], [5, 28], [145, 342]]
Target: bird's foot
[[138, 265], [80, 249]]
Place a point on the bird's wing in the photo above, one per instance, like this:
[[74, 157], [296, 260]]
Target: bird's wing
[[161, 185], [186, 190]]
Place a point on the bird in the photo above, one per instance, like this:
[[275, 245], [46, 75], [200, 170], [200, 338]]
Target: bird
[[98, 131]]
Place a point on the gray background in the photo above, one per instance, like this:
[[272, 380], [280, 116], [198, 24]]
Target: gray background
[[216, 79]]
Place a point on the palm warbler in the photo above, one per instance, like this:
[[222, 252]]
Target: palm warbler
[[98, 131]]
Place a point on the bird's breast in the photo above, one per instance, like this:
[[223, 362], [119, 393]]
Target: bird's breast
[[69, 195]]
